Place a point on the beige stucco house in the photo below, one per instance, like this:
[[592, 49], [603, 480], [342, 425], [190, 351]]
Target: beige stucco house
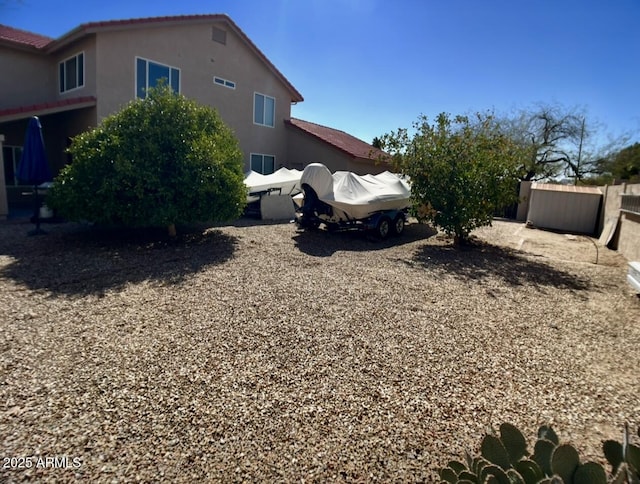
[[75, 81]]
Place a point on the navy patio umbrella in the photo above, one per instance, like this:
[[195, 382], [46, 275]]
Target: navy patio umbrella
[[34, 167]]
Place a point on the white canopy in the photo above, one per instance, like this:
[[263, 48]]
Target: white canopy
[[287, 181]]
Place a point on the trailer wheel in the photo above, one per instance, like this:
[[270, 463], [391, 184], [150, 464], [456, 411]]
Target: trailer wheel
[[309, 223], [383, 227], [398, 224]]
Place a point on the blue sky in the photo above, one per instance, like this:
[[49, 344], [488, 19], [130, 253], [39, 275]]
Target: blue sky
[[371, 66]]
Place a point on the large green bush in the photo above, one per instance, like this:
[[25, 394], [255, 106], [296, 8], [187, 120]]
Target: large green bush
[[160, 161], [461, 171]]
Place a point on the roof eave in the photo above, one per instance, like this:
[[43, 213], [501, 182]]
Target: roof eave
[[295, 94], [68, 38], [24, 112], [32, 49], [95, 27]]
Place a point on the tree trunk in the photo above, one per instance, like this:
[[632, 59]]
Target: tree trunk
[[172, 230], [462, 241]]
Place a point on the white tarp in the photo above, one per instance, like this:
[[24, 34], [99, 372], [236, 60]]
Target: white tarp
[[287, 181], [357, 196]]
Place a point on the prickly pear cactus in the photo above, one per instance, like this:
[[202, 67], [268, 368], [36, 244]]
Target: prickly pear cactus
[[624, 459], [505, 459]]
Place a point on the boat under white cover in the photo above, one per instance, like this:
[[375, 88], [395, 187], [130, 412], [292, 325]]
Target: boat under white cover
[[286, 181], [355, 196]]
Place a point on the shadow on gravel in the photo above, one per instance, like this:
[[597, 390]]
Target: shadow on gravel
[[322, 243], [80, 260], [489, 261]]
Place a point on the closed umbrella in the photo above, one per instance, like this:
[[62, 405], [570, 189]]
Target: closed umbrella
[[34, 167]]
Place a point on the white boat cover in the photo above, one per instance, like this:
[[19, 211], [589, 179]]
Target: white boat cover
[[355, 195], [288, 181]]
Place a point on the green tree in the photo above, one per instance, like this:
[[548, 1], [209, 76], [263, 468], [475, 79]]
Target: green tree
[[625, 164], [162, 160], [461, 171]]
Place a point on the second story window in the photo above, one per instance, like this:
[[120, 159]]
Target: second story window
[[71, 73], [224, 82], [148, 73], [264, 110]]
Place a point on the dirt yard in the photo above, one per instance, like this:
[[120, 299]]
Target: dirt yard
[[254, 352]]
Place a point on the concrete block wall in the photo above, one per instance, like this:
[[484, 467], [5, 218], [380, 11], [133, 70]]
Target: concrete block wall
[[627, 235]]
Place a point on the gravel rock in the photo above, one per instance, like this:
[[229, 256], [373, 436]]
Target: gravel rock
[[254, 351]]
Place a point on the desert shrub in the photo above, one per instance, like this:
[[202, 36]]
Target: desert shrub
[[161, 160]]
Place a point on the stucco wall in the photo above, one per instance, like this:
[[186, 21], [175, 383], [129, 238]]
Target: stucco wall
[[27, 78], [364, 167], [190, 49], [304, 149], [612, 201], [627, 236], [628, 239], [110, 76], [34, 75]]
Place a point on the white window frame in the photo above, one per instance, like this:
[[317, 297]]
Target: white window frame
[[264, 104], [219, 81], [16, 154], [62, 65], [262, 155], [162, 64]]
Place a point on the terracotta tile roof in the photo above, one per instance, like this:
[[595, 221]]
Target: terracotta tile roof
[[338, 139], [565, 188], [44, 108], [153, 20], [22, 37]]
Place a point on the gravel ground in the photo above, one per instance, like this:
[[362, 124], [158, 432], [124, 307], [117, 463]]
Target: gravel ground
[[254, 352]]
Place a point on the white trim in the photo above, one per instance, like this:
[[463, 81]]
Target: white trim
[[64, 62], [14, 161], [220, 81], [263, 112], [147, 61]]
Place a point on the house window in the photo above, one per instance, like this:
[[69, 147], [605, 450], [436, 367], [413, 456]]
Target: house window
[[11, 155], [71, 73], [148, 73], [264, 164], [264, 110], [224, 82]]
